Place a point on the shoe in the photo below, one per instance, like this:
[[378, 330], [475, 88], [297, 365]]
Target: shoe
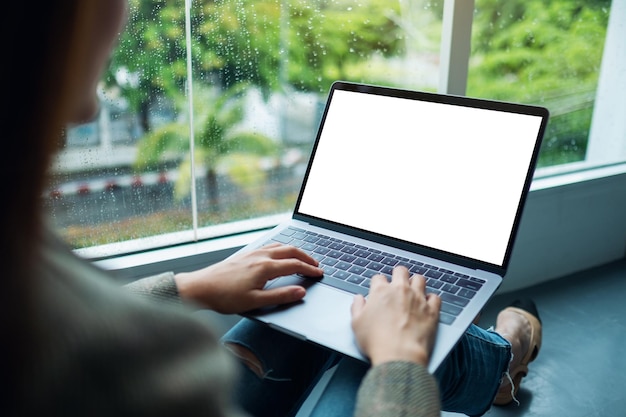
[[528, 309]]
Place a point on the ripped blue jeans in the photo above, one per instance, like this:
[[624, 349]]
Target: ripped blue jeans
[[468, 378]]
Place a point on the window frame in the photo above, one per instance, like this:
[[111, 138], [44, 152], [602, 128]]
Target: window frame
[[573, 220]]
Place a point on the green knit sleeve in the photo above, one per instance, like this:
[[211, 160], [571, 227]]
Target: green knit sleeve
[[398, 389], [159, 288]]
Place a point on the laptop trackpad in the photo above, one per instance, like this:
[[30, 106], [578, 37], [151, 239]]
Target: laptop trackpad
[[322, 317]]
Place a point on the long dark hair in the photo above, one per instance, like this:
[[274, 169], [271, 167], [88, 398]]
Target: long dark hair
[[39, 46]]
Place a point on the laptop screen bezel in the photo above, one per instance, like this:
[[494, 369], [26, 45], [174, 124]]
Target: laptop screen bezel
[[542, 112]]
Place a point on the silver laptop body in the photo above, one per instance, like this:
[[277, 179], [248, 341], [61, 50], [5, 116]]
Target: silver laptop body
[[397, 177]]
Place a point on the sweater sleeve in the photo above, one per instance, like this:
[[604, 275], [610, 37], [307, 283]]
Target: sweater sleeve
[[159, 288], [398, 389]]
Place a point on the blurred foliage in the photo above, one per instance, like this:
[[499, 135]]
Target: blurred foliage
[[545, 53], [269, 43], [532, 50]]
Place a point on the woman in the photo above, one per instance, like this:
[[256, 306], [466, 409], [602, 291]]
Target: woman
[[77, 344]]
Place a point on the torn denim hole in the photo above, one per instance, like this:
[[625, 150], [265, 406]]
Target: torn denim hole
[[252, 362]]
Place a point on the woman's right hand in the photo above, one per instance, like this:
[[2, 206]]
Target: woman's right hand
[[398, 321]]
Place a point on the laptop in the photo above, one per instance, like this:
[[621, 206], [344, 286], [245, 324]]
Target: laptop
[[434, 182]]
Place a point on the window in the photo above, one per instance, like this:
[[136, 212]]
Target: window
[[255, 84]]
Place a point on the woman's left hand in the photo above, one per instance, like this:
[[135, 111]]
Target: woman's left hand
[[398, 321], [235, 285]]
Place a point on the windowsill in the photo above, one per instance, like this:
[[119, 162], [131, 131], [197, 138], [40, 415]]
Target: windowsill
[[576, 172], [213, 244]]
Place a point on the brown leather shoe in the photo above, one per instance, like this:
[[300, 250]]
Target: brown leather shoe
[[528, 309]]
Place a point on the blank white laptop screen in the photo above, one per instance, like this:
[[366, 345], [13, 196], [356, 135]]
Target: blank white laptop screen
[[453, 175]]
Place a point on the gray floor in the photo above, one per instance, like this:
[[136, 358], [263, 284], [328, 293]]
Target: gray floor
[[580, 370]]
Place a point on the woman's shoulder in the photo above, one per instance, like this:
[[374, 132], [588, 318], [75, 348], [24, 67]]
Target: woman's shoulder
[[108, 347]]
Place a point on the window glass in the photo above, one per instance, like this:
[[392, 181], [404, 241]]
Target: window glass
[[260, 71], [545, 53]]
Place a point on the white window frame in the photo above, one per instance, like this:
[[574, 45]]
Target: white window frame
[[575, 216]]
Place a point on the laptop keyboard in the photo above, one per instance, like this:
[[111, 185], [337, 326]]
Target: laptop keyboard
[[350, 267]]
